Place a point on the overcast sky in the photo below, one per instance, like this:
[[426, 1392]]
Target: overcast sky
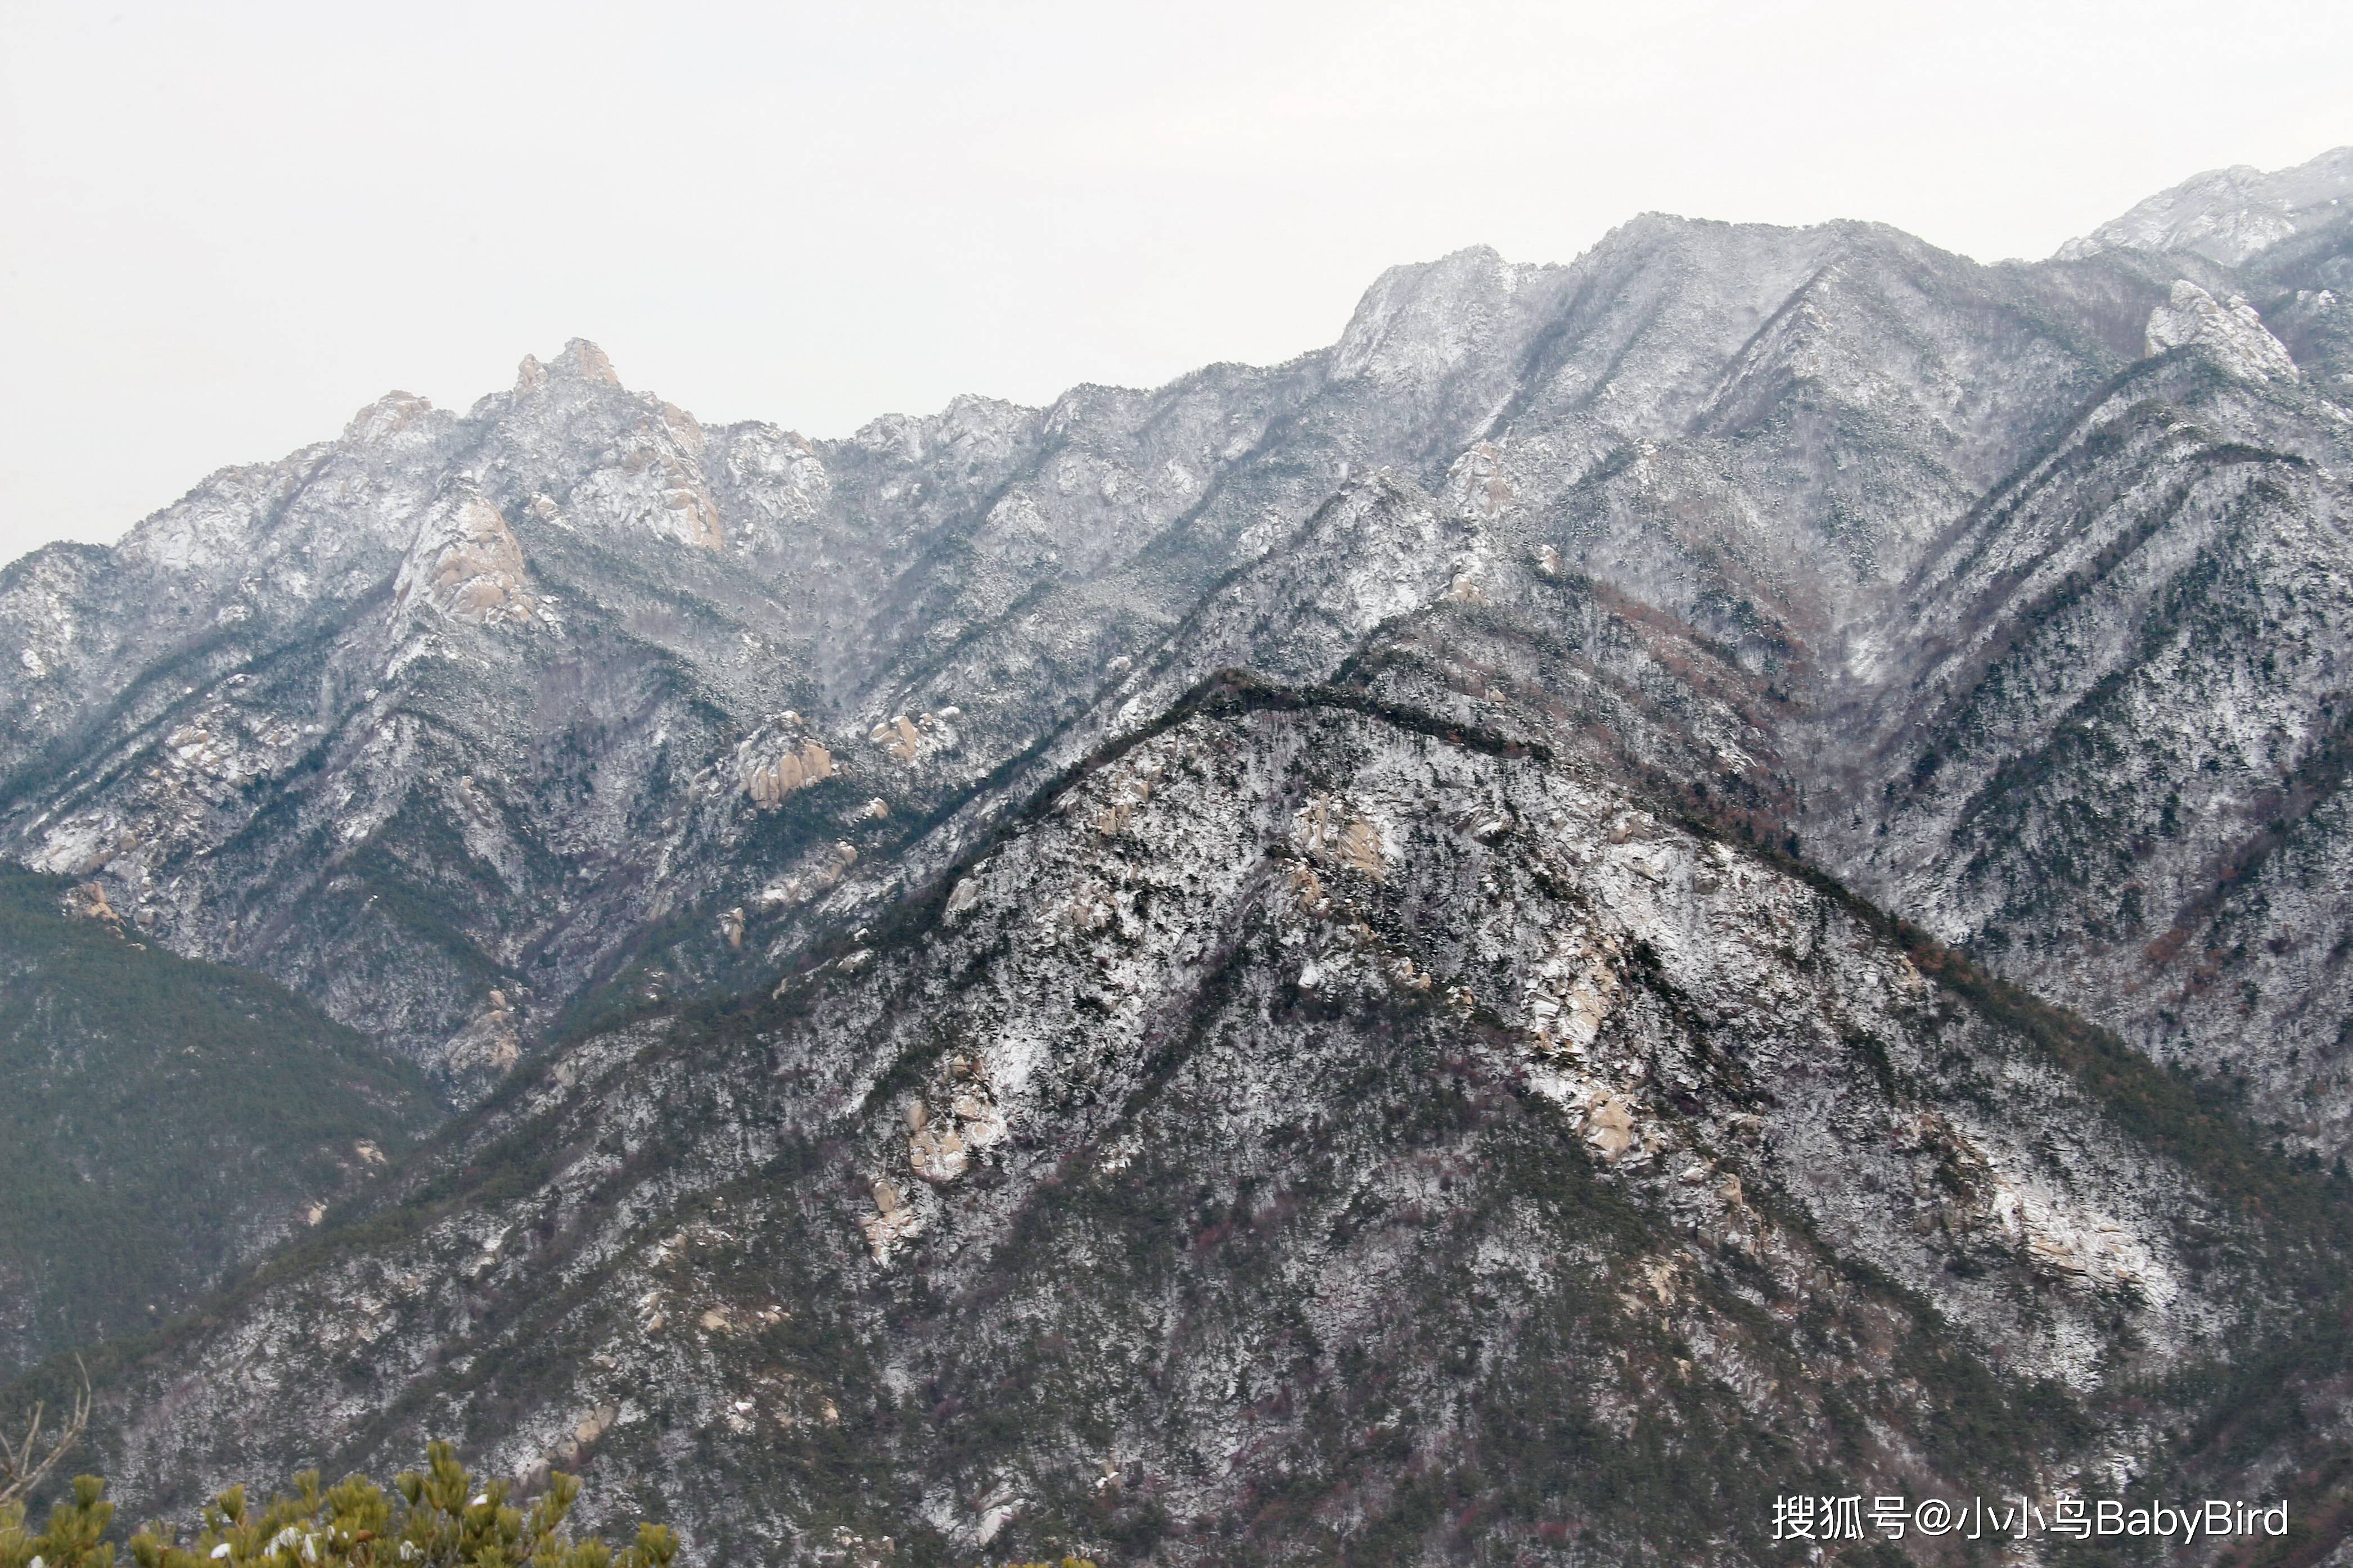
[[227, 225]]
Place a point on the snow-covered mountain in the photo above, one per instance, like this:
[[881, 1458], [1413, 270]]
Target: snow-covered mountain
[[1339, 959], [2230, 215]]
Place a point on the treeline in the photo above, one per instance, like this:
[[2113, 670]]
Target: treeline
[[439, 1517]]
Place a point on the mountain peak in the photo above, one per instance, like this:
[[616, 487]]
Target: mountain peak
[[580, 361], [1417, 319], [388, 415], [587, 362], [2229, 214]]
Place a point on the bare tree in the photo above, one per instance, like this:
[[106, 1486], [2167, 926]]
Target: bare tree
[[24, 1463]]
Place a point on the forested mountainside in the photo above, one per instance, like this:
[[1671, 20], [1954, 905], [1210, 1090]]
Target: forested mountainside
[[1267, 966], [164, 1121]]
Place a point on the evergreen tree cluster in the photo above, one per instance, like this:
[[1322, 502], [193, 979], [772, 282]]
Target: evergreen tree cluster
[[439, 1517]]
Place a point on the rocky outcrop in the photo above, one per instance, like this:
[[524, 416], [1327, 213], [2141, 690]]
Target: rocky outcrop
[[941, 1146], [1328, 830], [780, 759], [906, 739], [87, 901], [466, 565], [492, 1043], [2229, 331]]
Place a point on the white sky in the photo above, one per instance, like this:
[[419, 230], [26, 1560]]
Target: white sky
[[225, 225]]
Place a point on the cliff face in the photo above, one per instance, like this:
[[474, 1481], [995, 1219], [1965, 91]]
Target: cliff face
[[943, 1067]]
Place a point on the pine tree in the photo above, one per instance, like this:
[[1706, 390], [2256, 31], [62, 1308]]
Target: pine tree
[[436, 1517]]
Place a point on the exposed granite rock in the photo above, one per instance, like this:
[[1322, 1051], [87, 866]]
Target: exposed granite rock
[[467, 566], [2229, 331]]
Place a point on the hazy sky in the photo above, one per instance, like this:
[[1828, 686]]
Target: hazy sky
[[227, 225]]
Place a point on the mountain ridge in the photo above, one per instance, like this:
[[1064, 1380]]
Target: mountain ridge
[[2229, 214], [1306, 862]]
